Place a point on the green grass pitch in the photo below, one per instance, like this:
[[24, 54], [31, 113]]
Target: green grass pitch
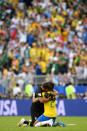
[[9, 123]]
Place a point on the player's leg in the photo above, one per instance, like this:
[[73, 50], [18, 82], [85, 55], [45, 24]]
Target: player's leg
[[27, 123], [33, 118], [58, 123], [43, 120], [21, 122], [24, 122], [44, 123], [35, 114]]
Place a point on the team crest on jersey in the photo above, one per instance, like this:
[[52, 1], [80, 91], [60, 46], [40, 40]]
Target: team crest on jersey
[[39, 94]]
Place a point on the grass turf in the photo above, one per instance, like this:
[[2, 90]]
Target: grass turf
[[9, 123]]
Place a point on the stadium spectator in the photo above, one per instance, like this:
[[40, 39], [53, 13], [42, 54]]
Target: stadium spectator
[[55, 33], [17, 91], [70, 92], [29, 90]]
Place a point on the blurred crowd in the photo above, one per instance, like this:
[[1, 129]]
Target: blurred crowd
[[43, 37]]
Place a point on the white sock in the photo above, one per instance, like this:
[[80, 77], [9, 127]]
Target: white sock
[[42, 123]]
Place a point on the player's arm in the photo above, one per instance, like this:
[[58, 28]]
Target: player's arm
[[40, 99], [43, 99]]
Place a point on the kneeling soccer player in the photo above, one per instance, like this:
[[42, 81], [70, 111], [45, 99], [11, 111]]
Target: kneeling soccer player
[[37, 107], [49, 115]]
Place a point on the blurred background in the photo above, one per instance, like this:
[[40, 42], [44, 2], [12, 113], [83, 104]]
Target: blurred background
[[43, 40]]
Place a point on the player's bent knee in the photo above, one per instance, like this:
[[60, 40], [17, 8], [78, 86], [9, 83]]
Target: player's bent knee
[[35, 122]]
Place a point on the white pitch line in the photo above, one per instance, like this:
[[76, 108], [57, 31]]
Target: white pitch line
[[71, 124]]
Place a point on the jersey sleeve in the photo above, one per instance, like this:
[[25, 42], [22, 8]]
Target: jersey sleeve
[[38, 93]]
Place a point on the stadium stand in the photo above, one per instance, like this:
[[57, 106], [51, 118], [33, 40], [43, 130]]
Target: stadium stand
[[42, 38]]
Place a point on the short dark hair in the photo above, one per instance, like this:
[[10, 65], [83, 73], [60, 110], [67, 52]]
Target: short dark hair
[[48, 85]]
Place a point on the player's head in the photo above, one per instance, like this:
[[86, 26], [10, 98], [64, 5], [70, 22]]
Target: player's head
[[48, 86]]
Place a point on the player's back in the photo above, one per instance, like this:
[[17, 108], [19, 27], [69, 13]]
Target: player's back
[[50, 108]]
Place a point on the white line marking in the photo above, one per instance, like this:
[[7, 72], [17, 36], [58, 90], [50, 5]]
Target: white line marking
[[71, 124]]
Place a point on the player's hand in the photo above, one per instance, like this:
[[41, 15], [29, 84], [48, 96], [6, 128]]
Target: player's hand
[[34, 100], [50, 96]]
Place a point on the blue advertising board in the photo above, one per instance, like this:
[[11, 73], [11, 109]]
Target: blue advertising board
[[76, 107], [15, 107]]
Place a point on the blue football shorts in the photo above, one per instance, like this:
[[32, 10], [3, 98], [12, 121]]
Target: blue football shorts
[[45, 118]]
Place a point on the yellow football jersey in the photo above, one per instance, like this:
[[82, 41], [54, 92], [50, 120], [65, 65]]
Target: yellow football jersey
[[50, 108]]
